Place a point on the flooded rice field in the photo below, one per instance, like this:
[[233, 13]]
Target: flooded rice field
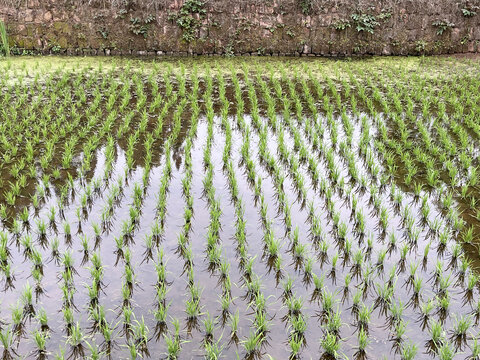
[[239, 208]]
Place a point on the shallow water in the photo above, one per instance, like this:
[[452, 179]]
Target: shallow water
[[143, 297]]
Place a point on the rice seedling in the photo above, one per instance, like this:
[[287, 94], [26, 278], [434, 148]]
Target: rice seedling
[[27, 300], [234, 320], [193, 309], [42, 317], [173, 345], [409, 351], [364, 315], [459, 336], [140, 336], [363, 342], [295, 347], [446, 351], [475, 350], [252, 344], [94, 350], [331, 346], [7, 338], [40, 339]]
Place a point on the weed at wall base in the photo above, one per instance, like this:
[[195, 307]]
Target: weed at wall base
[[4, 46]]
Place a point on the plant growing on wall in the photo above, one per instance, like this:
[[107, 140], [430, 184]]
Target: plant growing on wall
[[306, 6], [141, 26], [341, 25], [420, 46], [103, 32], [469, 11], [366, 21], [229, 49], [4, 46], [187, 18], [442, 26]]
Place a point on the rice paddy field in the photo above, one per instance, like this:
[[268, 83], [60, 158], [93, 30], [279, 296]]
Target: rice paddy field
[[246, 208]]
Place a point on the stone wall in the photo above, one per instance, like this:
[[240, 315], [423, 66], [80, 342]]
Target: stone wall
[[256, 27]]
